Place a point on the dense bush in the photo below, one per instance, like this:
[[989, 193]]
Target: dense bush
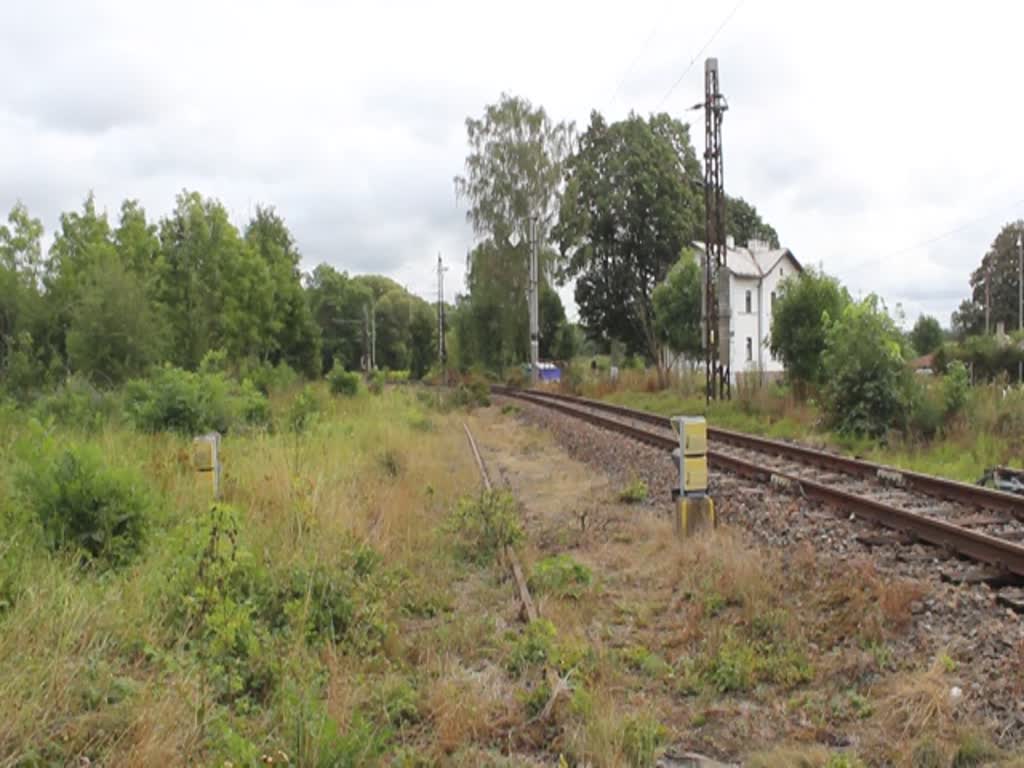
[[375, 383], [867, 387], [485, 525], [343, 382], [76, 403], [303, 412], [192, 403], [84, 505], [269, 378]]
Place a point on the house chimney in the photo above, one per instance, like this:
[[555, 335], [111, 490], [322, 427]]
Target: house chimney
[[730, 242]]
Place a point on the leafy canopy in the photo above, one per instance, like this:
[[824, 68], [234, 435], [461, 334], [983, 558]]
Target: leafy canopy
[[868, 384], [805, 305], [631, 203]]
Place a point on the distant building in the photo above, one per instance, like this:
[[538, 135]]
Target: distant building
[[746, 296]]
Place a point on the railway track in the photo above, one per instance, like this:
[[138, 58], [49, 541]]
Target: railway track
[[977, 523]]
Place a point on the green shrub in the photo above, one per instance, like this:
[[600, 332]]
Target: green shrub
[[375, 383], [956, 388], [485, 525], [175, 400], [269, 378], [533, 648], [641, 738], [634, 492], [974, 750], [84, 505], [866, 380], [927, 414], [561, 576], [342, 382], [76, 404], [303, 412], [733, 667]]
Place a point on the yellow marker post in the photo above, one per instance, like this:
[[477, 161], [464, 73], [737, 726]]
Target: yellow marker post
[[695, 510], [206, 459]]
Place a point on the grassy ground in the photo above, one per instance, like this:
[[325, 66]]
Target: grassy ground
[[319, 616], [990, 431], [716, 644]]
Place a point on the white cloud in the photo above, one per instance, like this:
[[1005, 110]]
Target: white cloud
[[859, 130]]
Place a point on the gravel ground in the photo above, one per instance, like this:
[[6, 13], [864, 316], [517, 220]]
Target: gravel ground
[[985, 639]]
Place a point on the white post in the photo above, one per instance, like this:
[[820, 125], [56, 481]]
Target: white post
[[534, 303]]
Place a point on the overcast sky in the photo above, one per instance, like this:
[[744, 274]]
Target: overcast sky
[[862, 131]]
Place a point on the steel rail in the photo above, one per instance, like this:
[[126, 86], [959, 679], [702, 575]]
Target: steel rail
[[962, 541], [938, 487]]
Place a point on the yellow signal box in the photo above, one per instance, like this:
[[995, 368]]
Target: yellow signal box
[[695, 510]]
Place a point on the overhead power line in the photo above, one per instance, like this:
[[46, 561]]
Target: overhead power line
[[951, 232], [640, 54], [699, 53]]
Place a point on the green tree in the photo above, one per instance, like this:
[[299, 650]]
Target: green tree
[[630, 205], [513, 174], [552, 320], [806, 303], [114, 333], [1000, 265], [136, 241], [82, 242], [868, 385], [677, 306], [20, 301], [926, 335], [744, 223], [337, 302], [422, 339], [294, 337], [217, 289]]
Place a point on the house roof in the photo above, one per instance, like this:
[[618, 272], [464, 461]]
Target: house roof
[[744, 262]]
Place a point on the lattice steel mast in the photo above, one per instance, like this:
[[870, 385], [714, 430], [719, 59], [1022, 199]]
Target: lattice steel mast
[[716, 318]]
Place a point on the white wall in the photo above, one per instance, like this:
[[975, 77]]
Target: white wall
[[755, 325]]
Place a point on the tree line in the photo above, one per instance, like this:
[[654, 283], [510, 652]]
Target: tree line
[[614, 208], [111, 299]]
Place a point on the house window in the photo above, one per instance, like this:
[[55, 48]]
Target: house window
[[750, 349], [773, 301], [782, 272], [749, 309]]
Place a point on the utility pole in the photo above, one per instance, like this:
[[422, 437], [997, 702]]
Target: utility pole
[[442, 353], [534, 303], [716, 321], [988, 299], [370, 335], [1020, 304]]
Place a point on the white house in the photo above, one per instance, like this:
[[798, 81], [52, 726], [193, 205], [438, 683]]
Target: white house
[[753, 275]]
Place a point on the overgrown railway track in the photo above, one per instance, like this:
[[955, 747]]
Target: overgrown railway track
[[977, 523]]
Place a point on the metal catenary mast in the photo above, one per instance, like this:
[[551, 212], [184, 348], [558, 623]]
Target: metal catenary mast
[[716, 308]]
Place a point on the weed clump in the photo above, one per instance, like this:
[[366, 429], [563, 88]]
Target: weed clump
[[342, 382], [641, 737], [485, 525], [634, 492], [560, 576], [86, 506], [303, 413]]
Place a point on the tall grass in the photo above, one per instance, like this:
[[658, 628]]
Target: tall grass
[[101, 666]]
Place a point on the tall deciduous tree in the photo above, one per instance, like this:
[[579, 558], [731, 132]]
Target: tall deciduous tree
[[114, 332], [677, 306], [294, 337], [806, 304], [926, 335], [630, 205], [999, 266], [513, 174], [744, 223], [218, 291], [20, 301]]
